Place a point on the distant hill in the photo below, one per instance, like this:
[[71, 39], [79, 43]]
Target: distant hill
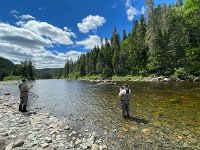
[[6, 67], [6, 64], [49, 73]]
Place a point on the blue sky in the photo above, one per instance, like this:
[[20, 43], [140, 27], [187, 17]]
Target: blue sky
[[50, 31]]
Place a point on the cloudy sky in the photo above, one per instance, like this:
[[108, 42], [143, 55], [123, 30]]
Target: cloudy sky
[[50, 31]]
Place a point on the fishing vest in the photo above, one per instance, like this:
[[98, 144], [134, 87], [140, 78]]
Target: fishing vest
[[23, 87], [125, 95]]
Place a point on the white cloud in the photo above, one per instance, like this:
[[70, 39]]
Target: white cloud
[[91, 23], [14, 12], [143, 9], [42, 8], [19, 43], [22, 37], [130, 10], [73, 55], [26, 17], [128, 3], [90, 42], [55, 34]]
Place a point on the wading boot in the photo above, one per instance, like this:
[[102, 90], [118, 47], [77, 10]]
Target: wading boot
[[20, 108], [24, 109]]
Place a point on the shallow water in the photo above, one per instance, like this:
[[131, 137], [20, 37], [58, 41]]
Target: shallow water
[[171, 111]]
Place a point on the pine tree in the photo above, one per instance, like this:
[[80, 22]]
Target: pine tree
[[100, 63], [115, 45], [66, 69], [124, 35]]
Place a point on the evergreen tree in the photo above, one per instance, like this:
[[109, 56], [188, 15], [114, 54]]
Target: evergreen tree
[[115, 46], [66, 69], [100, 63], [124, 35]]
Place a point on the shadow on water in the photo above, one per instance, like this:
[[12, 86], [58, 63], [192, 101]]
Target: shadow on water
[[138, 120]]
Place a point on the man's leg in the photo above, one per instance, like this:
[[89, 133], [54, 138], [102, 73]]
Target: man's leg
[[21, 102], [25, 102], [123, 106], [127, 110]]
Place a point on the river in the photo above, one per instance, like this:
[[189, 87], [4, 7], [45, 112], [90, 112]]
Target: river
[[163, 115]]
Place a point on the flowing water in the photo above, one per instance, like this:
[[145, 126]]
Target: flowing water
[[163, 115]]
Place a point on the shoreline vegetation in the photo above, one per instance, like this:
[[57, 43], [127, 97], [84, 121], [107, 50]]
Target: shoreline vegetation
[[140, 78], [179, 78]]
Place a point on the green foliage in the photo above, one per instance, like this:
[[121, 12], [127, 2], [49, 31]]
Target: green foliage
[[7, 78], [179, 71], [6, 67], [194, 69]]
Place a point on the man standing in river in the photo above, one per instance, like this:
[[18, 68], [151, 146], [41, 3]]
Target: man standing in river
[[23, 87], [124, 95]]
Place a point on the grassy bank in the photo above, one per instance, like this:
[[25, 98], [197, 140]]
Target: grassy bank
[[11, 78]]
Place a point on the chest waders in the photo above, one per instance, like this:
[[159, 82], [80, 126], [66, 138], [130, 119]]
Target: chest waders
[[125, 104]]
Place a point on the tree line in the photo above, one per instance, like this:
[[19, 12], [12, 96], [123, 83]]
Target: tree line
[[165, 41], [25, 69]]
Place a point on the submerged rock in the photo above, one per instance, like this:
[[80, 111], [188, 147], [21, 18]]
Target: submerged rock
[[175, 101], [7, 93]]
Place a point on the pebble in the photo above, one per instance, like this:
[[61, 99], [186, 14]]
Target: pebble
[[146, 131], [44, 145], [185, 145], [91, 140], [84, 146], [95, 147], [48, 139], [67, 128], [18, 143], [77, 142]]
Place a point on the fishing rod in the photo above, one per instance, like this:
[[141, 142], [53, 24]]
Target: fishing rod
[[33, 94]]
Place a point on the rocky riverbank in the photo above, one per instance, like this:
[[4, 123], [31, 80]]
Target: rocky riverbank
[[38, 131], [145, 79]]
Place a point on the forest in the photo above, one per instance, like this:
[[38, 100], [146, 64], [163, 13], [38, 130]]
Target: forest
[[10, 71], [164, 41]]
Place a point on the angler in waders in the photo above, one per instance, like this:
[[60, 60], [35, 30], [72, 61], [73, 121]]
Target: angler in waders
[[124, 95], [24, 88]]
